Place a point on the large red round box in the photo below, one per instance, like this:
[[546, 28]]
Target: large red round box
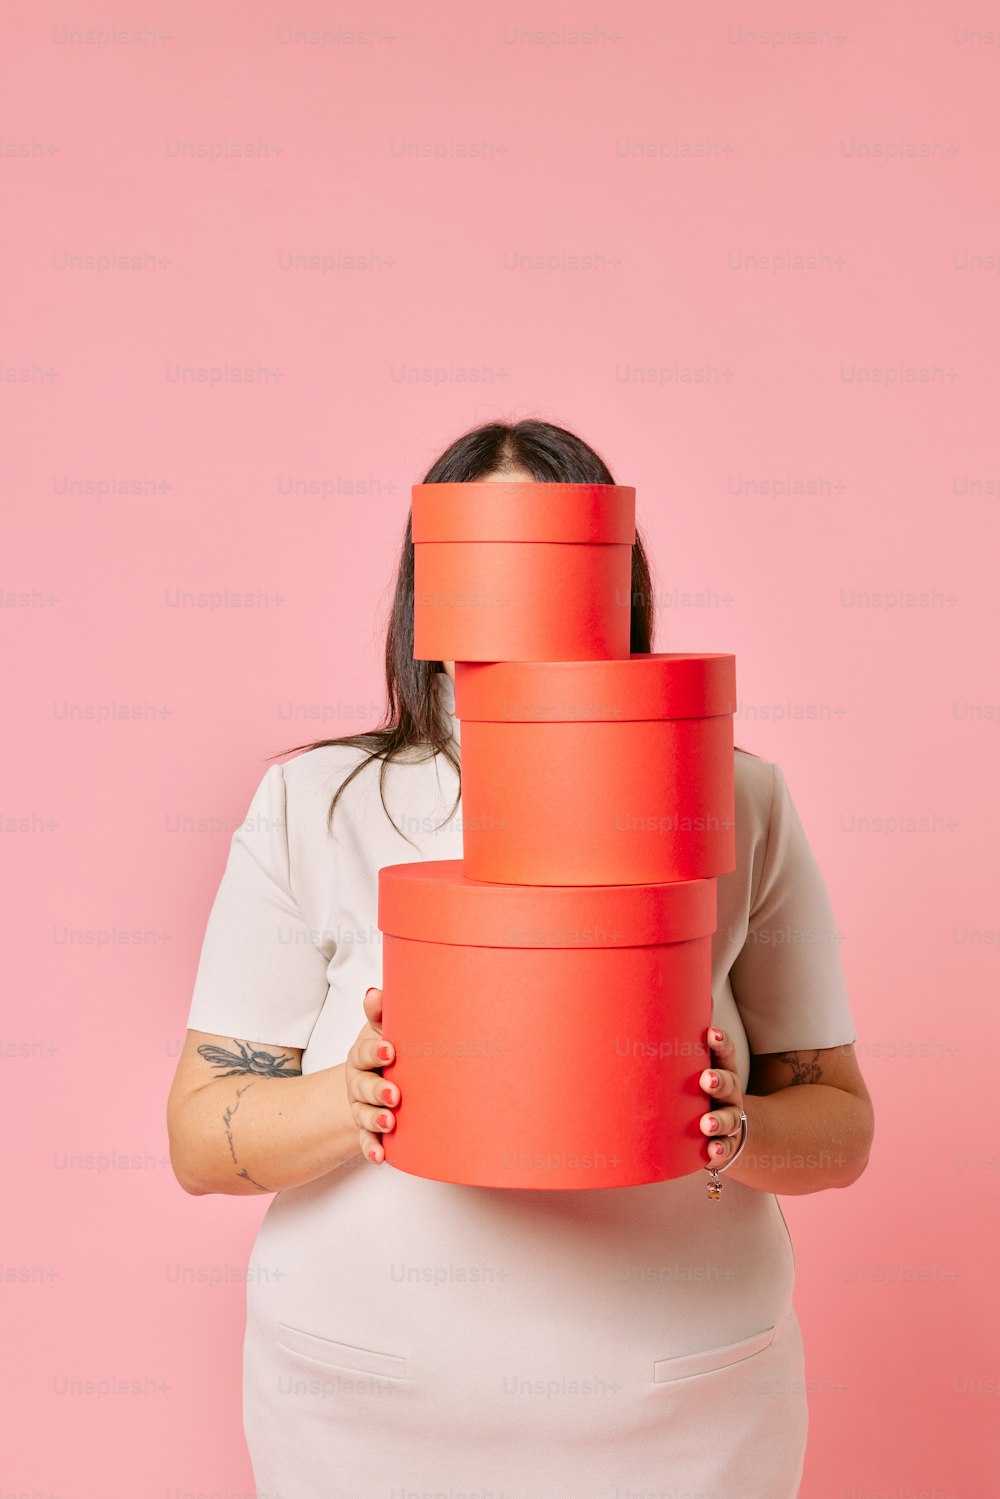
[[545, 1038], [602, 772], [511, 571]]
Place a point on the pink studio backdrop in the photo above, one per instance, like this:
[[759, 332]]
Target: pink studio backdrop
[[447, 215]]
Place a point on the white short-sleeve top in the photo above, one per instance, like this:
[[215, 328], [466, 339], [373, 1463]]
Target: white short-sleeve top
[[626, 1275]]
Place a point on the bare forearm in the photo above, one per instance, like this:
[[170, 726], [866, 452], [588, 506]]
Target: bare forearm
[[803, 1139], [246, 1135]]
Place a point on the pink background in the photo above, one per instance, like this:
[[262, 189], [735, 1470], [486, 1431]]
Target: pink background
[[673, 142]]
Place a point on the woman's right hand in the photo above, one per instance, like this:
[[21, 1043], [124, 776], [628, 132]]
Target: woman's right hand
[[371, 1097]]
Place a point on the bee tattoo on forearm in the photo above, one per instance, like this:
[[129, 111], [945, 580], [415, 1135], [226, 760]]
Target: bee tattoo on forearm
[[250, 1063]]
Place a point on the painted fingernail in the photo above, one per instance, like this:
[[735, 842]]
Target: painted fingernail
[[713, 1081], [382, 1121], [716, 1149], [713, 1124], [716, 1035], [373, 1155], [386, 1095], [385, 1052]]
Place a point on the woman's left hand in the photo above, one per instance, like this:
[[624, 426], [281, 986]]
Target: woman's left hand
[[727, 1097]]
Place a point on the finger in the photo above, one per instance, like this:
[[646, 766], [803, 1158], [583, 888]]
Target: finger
[[722, 1048], [378, 1121], [720, 1151], [373, 1088], [371, 1051], [373, 1008], [721, 1085], [721, 1122], [371, 1147]]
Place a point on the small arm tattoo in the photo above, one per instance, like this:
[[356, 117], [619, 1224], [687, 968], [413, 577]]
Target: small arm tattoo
[[227, 1120], [803, 1070], [261, 1063]]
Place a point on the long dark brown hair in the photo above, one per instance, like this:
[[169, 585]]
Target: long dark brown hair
[[413, 718]]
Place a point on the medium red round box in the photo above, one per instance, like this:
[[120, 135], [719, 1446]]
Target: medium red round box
[[545, 1038], [518, 571], [598, 772]]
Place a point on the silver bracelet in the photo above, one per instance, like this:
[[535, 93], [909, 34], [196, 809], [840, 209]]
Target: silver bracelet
[[714, 1184]]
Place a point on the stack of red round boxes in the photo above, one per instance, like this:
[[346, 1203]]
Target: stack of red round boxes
[[548, 994]]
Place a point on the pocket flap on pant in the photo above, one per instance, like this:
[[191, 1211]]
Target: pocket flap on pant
[[707, 1359], [341, 1355]]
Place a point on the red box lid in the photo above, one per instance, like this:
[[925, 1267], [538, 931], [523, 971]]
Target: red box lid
[[676, 684], [433, 901], [509, 510]]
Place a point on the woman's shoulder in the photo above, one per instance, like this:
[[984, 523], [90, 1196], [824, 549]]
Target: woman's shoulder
[[772, 840], [312, 767], [758, 786], [754, 780], [314, 777], [323, 768]]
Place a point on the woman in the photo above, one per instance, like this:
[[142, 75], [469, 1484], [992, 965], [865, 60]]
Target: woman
[[409, 1336]]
